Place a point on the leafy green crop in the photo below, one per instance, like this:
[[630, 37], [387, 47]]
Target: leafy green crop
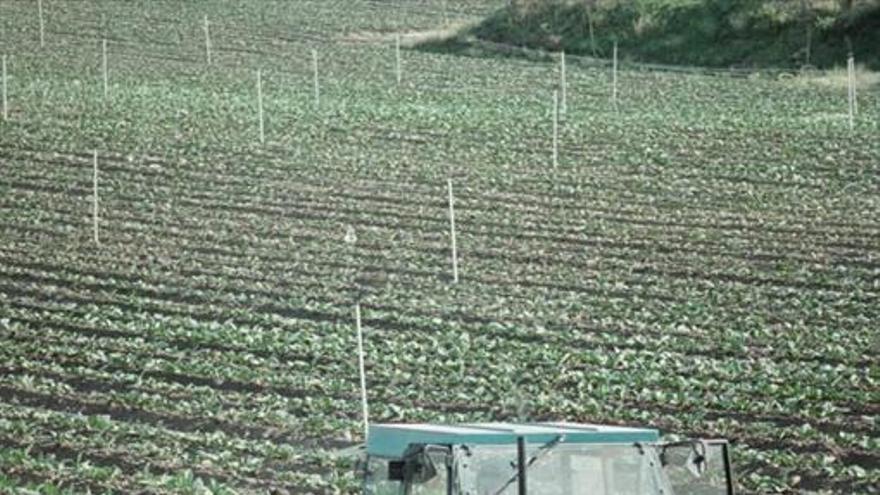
[[704, 259]]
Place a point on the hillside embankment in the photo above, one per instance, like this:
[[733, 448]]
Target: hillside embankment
[[709, 33]]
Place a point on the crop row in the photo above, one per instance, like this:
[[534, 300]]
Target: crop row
[[777, 381], [208, 267]]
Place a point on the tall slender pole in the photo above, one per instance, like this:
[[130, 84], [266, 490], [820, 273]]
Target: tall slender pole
[[850, 91], [95, 199], [363, 374], [42, 24], [855, 89], [809, 54], [555, 129], [521, 466], [614, 78], [397, 56], [207, 40], [452, 231], [591, 30], [317, 82], [5, 102], [563, 84], [104, 66], [260, 105], [855, 86]]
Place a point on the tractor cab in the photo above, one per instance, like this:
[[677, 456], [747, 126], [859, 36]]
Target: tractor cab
[[539, 459]]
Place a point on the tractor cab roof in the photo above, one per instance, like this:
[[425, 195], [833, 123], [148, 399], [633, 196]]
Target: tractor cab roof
[[391, 441]]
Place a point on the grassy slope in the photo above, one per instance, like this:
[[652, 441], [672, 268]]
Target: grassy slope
[[717, 33]]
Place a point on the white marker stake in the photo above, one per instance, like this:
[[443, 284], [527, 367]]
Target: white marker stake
[[452, 230], [855, 86], [397, 53], [42, 25], [5, 103], [260, 105], [563, 84], [850, 91], [95, 199], [207, 40], [850, 77], [104, 66], [555, 129], [614, 78], [363, 373], [317, 83]]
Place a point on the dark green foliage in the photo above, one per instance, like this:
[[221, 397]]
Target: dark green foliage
[[717, 33]]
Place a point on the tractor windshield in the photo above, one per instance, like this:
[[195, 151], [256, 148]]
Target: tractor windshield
[[555, 468], [564, 469]]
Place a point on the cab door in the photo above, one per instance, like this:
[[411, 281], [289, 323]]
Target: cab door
[[698, 467]]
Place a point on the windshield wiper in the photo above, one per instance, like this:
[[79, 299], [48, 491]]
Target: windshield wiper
[[543, 449]]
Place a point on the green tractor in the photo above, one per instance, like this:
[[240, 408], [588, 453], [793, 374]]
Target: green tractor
[[539, 459]]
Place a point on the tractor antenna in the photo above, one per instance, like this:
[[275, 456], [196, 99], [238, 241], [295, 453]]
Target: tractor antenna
[[521, 465], [360, 341]]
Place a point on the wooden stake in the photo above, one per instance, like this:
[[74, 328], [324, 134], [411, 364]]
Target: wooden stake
[[95, 199], [614, 79], [563, 84], [5, 102], [207, 40], [397, 52], [555, 129], [317, 82], [104, 66], [851, 91], [452, 231], [365, 410], [805, 17], [590, 27], [42, 25], [260, 105], [809, 54], [855, 87]]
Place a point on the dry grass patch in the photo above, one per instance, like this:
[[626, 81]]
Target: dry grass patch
[[408, 38], [837, 78]]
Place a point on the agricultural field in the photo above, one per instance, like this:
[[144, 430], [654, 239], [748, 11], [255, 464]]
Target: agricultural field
[[704, 258]]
